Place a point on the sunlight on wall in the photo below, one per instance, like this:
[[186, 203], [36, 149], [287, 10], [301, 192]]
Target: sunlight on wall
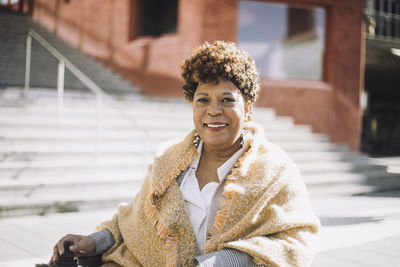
[[286, 42]]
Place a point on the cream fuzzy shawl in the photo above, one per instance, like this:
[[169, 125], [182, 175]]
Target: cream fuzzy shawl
[[265, 211]]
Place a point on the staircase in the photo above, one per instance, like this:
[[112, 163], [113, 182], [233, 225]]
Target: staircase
[[47, 167], [13, 32]]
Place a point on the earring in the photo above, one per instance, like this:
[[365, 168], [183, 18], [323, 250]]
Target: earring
[[249, 114], [248, 117], [196, 140]]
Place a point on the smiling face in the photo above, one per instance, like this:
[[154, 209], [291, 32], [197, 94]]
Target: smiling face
[[219, 112]]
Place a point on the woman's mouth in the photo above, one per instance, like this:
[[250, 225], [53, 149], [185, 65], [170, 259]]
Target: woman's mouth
[[215, 126]]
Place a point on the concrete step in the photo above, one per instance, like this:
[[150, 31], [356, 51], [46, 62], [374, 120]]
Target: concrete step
[[77, 174], [88, 105], [64, 156], [10, 185], [102, 147], [37, 112], [53, 131], [61, 134], [376, 178], [81, 99], [322, 167], [310, 156], [74, 171], [352, 189], [56, 164], [349, 189], [75, 199], [51, 119], [312, 146], [33, 188]]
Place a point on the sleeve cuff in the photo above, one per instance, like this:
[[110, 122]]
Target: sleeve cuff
[[225, 258], [104, 241]]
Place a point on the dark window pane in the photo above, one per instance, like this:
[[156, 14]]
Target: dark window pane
[[157, 17]]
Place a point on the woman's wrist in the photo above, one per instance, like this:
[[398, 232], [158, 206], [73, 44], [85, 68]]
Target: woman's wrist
[[104, 241]]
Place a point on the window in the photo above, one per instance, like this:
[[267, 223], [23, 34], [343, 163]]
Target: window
[[157, 17], [383, 18], [6, 2], [287, 42]]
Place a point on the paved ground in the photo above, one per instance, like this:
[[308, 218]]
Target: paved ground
[[357, 231]]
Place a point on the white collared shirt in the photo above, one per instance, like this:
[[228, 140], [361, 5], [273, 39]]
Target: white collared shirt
[[202, 205]]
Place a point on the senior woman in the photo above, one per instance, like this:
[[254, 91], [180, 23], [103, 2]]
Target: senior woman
[[221, 196]]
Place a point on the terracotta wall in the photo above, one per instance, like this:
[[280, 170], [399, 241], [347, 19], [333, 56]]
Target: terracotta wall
[[331, 106], [106, 30], [309, 102]]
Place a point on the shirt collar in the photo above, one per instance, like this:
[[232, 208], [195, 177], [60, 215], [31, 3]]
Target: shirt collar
[[224, 169]]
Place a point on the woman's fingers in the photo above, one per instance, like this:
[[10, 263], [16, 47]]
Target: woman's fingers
[[84, 246], [58, 248], [74, 244], [54, 257], [80, 245], [60, 244]]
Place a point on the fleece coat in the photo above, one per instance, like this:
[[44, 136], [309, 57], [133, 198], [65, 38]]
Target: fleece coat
[[265, 211]]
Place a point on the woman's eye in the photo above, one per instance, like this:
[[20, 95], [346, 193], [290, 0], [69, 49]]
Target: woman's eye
[[202, 100], [228, 99]]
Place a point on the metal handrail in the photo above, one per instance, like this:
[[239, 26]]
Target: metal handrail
[[99, 93], [79, 74], [63, 63]]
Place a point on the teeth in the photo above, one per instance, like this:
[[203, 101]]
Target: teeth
[[215, 125]]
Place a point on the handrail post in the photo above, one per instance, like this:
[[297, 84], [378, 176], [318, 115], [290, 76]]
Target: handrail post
[[60, 90], [99, 117], [28, 63]]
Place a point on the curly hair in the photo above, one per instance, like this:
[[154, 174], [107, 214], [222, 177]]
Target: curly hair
[[220, 60]]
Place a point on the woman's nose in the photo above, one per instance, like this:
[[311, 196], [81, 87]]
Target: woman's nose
[[214, 108]]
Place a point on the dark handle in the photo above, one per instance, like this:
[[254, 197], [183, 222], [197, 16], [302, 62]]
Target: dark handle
[[67, 259]]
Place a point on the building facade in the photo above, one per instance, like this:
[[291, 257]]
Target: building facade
[[309, 52]]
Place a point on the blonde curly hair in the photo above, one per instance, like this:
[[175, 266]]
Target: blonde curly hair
[[220, 60]]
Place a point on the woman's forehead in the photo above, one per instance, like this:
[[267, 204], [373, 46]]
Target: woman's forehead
[[223, 87], [218, 92]]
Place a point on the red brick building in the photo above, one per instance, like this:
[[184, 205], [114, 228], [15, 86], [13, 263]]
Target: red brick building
[[146, 40]]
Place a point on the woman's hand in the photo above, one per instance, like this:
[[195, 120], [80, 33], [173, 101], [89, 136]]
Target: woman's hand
[[81, 245]]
